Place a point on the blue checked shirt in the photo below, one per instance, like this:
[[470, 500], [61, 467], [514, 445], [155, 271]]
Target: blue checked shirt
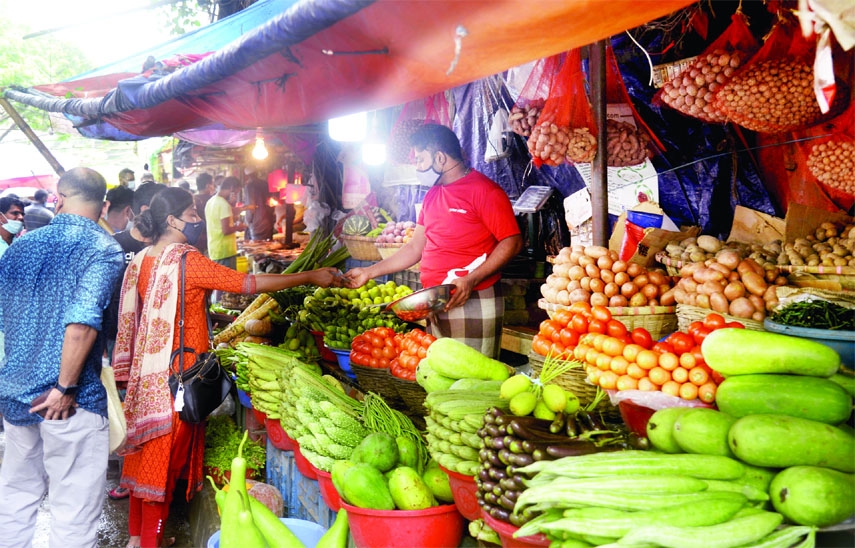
[[61, 274]]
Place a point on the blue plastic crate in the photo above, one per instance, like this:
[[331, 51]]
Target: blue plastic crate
[[311, 504], [282, 473]]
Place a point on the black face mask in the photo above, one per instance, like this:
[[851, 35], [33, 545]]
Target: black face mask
[[192, 231]]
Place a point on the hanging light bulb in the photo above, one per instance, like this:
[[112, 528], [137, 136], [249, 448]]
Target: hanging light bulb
[[349, 128], [259, 151]]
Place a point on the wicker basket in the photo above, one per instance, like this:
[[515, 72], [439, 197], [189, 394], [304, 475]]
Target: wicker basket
[[361, 248], [672, 266], [576, 382], [832, 278], [379, 381], [413, 395], [686, 314], [658, 320], [387, 250]]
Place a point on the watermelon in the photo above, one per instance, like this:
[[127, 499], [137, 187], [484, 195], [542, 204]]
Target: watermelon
[[356, 225]]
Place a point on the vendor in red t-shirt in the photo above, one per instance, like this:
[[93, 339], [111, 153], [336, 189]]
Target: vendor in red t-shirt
[[465, 234]]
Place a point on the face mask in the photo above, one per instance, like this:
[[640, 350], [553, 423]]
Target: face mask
[[192, 231], [12, 226]]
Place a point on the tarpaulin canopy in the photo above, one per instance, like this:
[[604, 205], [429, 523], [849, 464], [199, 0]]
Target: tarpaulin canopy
[[319, 59]]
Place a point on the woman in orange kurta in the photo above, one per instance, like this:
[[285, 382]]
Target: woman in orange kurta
[[160, 446]]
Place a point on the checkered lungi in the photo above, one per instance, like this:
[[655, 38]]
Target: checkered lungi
[[478, 323]]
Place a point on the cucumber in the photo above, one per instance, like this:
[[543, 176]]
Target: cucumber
[[704, 431], [733, 352], [780, 441], [660, 429], [847, 382], [810, 495], [810, 398]]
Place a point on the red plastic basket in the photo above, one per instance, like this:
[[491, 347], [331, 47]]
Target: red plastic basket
[[303, 465], [328, 491], [438, 526], [506, 533], [277, 436], [465, 493]]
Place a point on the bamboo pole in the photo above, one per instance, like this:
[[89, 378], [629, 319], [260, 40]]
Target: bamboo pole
[[31, 135], [599, 168]]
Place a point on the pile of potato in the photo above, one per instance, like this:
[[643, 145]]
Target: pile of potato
[[832, 244], [523, 118], [701, 248], [693, 91], [593, 274], [625, 144], [833, 163], [730, 285], [770, 96]]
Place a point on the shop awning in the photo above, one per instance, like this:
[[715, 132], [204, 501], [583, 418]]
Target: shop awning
[[318, 59]]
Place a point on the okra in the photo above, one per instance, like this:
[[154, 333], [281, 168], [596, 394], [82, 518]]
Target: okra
[[740, 530]]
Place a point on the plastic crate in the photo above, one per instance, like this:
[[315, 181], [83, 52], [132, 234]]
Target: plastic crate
[[311, 504], [354, 263], [409, 278], [282, 473]]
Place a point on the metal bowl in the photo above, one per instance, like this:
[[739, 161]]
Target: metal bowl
[[420, 304]]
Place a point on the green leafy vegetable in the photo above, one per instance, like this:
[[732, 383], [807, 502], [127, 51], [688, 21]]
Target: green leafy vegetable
[[816, 314]]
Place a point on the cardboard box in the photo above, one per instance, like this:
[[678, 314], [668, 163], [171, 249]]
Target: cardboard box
[[753, 227], [802, 220], [655, 239]]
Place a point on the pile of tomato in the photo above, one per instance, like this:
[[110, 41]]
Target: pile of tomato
[[618, 359], [382, 348], [376, 347], [414, 348]]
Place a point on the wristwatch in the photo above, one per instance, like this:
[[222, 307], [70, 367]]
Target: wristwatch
[[66, 390]]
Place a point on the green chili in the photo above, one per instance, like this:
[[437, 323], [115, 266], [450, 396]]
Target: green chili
[[817, 314]]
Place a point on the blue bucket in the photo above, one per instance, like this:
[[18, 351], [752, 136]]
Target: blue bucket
[[343, 357], [244, 398], [842, 342], [308, 532]]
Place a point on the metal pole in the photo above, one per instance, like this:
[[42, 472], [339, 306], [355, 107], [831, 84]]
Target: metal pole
[[599, 173], [31, 135]]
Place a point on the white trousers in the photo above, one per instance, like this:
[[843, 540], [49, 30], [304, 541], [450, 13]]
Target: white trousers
[[66, 458]]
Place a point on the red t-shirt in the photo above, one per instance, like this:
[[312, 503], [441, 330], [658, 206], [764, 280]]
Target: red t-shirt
[[463, 220]]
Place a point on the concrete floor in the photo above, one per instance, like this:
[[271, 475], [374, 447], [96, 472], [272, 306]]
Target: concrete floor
[[113, 526]]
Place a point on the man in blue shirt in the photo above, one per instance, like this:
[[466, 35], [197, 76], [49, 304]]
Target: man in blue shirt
[[54, 285]]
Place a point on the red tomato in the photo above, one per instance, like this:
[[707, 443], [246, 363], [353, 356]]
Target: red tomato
[[422, 352], [601, 313], [699, 356], [700, 334], [626, 338], [563, 317], [662, 347], [714, 321], [569, 338], [374, 339], [389, 351], [694, 326], [614, 328], [579, 324], [377, 352], [540, 345], [716, 377], [373, 362], [556, 349], [429, 338], [681, 342], [641, 337], [735, 325], [597, 326]]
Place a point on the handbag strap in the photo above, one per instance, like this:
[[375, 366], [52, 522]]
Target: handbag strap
[[181, 319]]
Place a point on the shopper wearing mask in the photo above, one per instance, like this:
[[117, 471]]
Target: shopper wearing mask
[[11, 220], [118, 212], [160, 446]]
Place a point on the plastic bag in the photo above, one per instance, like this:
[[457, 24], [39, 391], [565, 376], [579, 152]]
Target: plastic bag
[[773, 92], [653, 399], [565, 131], [692, 92], [533, 95], [433, 109], [314, 215]]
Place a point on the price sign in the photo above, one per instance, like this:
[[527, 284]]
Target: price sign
[[532, 199]]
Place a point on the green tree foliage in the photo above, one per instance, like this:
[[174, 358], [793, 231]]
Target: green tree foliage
[[40, 60]]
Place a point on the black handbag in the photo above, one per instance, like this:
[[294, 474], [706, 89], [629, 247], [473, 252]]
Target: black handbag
[[201, 388]]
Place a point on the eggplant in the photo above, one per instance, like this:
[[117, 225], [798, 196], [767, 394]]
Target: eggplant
[[503, 420], [500, 514], [517, 520], [497, 490], [517, 446], [482, 433], [531, 446], [570, 427], [524, 431], [572, 449], [506, 503], [523, 459], [497, 474], [491, 498], [557, 425], [507, 483], [489, 418], [540, 454], [511, 495], [487, 486], [495, 461], [518, 483], [505, 456], [638, 442], [495, 412], [493, 431], [484, 474]]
